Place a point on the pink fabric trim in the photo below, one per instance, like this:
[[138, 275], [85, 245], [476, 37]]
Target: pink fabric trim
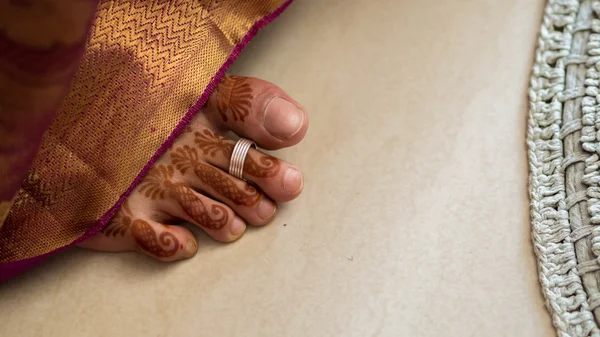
[[8, 270]]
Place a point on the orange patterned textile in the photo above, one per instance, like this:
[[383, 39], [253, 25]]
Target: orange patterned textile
[[103, 96]]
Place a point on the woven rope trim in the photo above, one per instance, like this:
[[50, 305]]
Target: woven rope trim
[[564, 176]]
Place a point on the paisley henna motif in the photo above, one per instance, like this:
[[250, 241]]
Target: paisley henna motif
[[266, 166], [163, 245], [195, 208], [225, 186]]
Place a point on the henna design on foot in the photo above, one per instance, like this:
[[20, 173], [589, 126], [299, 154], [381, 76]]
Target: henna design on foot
[[187, 157], [210, 143], [163, 245], [152, 185], [234, 97], [220, 182], [120, 223], [159, 183], [184, 158], [195, 208], [268, 166]]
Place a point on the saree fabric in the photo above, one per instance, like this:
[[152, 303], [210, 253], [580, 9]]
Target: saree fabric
[[91, 97]]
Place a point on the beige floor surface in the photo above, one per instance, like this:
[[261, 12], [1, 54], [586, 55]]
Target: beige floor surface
[[414, 220]]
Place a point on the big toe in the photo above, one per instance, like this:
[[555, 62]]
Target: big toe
[[282, 119], [258, 110]]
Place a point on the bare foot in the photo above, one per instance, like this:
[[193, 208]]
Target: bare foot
[[190, 181]]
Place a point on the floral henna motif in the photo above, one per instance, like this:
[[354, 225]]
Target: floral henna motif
[[234, 98], [186, 157], [163, 245], [120, 223], [152, 186], [210, 143]]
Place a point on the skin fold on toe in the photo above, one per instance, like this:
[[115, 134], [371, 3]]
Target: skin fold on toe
[[190, 181]]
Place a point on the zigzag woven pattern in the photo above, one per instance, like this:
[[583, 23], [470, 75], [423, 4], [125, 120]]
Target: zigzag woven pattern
[[146, 64]]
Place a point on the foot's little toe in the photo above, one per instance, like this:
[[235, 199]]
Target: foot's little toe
[[258, 110], [162, 242]]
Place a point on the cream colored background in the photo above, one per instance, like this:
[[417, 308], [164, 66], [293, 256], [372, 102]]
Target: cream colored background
[[414, 220]]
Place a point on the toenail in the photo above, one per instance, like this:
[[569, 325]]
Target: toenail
[[266, 209], [282, 119], [292, 181], [191, 247], [237, 227]]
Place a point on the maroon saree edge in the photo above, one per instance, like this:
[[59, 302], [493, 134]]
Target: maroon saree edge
[[10, 269]]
